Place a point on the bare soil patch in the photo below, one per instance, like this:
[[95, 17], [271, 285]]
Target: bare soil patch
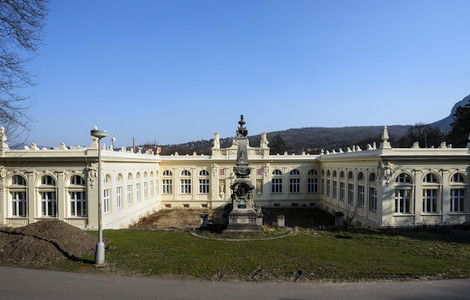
[[178, 219], [44, 242], [185, 219]]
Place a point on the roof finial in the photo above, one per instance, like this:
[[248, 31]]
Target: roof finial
[[385, 137]]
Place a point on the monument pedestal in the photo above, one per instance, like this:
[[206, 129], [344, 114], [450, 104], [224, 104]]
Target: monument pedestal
[[244, 220]]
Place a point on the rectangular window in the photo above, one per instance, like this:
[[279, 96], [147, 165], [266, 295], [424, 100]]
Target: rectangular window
[[277, 185], [48, 204], [151, 188], [403, 201], [335, 189], [118, 196], [129, 194], [312, 185], [294, 185], [328, 186], [342, 191], [457, 198], [185, 186], [167, 186], [106, 203], [373, 199], [323, 186], [360, 196], [350, 193], [18, 205], [203, 186], [430, 200], [78, 204]]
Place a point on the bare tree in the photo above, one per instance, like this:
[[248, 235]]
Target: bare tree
[[21, 24]]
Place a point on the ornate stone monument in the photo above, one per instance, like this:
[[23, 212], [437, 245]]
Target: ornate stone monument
[[245, 216]]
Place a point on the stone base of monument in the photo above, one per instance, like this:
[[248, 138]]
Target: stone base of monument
[[244, 220]]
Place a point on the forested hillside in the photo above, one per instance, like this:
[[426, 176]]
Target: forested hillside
[[311, 140]]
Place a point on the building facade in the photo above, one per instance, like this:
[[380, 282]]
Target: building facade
[[375, 187]]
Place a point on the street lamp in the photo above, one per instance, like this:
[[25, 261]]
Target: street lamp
[[99, 254]]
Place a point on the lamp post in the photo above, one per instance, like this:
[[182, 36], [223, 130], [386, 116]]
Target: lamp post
[[99, 254]]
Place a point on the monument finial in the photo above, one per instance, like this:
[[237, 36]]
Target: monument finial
[[242, 132]]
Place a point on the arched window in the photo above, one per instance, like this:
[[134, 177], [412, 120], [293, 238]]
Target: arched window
[[334, 174], [18, 194], [350, 187], [312, 181], [430, 178], [372, 192], [77, 180], [430, 193], [107, 194], [167, 182], [47, 180], [403, 193], [341, 175], [204, 182], [312, 172], [457, 177], [185, 183], [129, 189], [294, 172], [276, 182], [328, 173], [457, 193], [77, 197], [294, 181], [47, 197], [119, 191], [403, 178], [18, 180], [360, 176]]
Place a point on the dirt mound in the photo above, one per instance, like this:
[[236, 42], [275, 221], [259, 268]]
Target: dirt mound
[[44, 242]]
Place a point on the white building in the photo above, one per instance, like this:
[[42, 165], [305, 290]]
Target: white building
[[375, 187]]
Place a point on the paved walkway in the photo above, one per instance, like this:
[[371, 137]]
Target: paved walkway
[[16, 283]]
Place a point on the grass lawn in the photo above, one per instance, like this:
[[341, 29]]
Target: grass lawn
[[324, 254]]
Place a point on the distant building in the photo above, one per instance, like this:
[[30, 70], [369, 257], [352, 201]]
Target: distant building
[[374, 187]]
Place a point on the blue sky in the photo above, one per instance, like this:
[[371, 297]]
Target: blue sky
[[177, 71]]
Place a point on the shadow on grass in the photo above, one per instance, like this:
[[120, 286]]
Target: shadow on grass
[[455, 233]]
